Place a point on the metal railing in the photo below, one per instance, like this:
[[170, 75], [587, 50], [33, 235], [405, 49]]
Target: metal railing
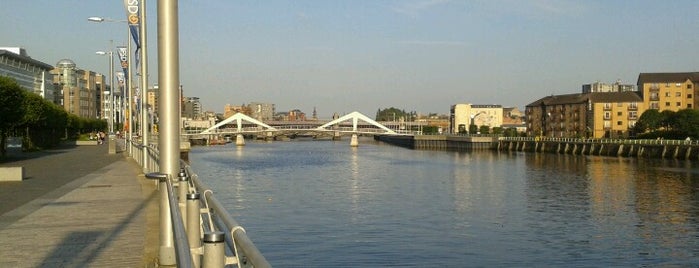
[[193, 222]]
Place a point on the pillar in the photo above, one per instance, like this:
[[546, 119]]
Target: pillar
[[354, 142], [239, 140]]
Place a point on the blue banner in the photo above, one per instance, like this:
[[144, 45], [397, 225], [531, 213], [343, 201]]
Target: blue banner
[[124, 59], [134, 20]]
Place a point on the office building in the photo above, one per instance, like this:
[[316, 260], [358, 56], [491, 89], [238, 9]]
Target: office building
[[30, 74]]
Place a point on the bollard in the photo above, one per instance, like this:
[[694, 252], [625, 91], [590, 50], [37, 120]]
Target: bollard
[[183, 189], [214, 256], [193, 228], [166, 254]]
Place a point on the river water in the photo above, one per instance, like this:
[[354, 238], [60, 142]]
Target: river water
[[326, 204]]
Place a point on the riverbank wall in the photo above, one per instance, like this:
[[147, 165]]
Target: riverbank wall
[[670, 149], [440, 142]]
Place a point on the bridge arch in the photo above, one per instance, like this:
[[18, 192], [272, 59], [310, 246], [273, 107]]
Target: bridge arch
[[238, 118], [355, 117]]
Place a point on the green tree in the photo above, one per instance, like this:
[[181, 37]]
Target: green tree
[[390, 114], [484, 129], [44, 123], [650, 120], [667, 119], [472, 129], [686, 123], [11, 108]]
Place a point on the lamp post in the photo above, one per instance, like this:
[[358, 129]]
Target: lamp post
[[473, 119], [128, 78], [111, 89]]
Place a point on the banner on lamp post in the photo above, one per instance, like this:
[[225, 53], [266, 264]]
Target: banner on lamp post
[[121, 78], [124, 60], [133, 18]]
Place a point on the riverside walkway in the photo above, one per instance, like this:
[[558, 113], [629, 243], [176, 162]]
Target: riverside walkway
[[78, 207]]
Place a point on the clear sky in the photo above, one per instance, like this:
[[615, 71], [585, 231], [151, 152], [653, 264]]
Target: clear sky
[[363, 55]]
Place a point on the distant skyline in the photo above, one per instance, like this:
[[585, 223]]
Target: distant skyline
[[344, 56]]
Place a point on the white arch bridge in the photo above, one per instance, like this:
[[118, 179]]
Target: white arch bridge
[[353, 123]]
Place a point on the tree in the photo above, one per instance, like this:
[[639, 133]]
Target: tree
[[11, 108], [650, 120], [686, 123], [484, 129]]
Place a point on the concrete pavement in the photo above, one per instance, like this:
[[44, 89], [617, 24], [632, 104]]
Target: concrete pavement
[[78, 207]]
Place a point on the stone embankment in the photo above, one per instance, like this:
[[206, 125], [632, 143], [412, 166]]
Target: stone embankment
[[671, 149]]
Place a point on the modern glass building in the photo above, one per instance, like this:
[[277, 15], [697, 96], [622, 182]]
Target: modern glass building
[[31, 74]]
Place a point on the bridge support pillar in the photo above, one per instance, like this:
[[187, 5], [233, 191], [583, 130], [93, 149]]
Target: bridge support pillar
[[354, 142], [337, 136], [239, 140]]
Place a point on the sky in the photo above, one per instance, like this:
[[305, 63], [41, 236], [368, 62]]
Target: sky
[[340, 56]]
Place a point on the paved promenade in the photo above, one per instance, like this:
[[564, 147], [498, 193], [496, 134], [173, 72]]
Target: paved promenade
[[78, 207]]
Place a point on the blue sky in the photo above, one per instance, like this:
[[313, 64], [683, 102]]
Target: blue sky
[[362, 55]]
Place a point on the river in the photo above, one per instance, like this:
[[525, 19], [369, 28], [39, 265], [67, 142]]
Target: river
[[326, 204]]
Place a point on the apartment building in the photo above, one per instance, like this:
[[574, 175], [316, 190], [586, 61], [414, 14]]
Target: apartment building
[[592, 115], [191, 108], [669, 91]]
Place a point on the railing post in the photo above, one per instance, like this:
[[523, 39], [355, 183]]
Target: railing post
[[183, 189], [166, 253], [214, 250], [193, 228]]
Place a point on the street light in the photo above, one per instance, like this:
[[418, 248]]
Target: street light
[[473, 119], [111, 89], [128, 78]]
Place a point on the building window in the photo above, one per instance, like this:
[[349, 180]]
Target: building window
[[607, 124], [654, 96], [618, 113], [689, 96], [679, 104], [689, 105], [654, 105], [678, 94], [689, 86], [667, 103], [619, 123], [678, 84], [632, 115], [667, 94], [607, 115], [607, 106]]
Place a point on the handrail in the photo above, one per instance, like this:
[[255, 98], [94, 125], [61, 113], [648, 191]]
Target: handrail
[[245, 252], [240, 239], [183, 252]]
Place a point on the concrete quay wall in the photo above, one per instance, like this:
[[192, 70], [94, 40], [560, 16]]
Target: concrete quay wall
[[440, 142], [622, 148]]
